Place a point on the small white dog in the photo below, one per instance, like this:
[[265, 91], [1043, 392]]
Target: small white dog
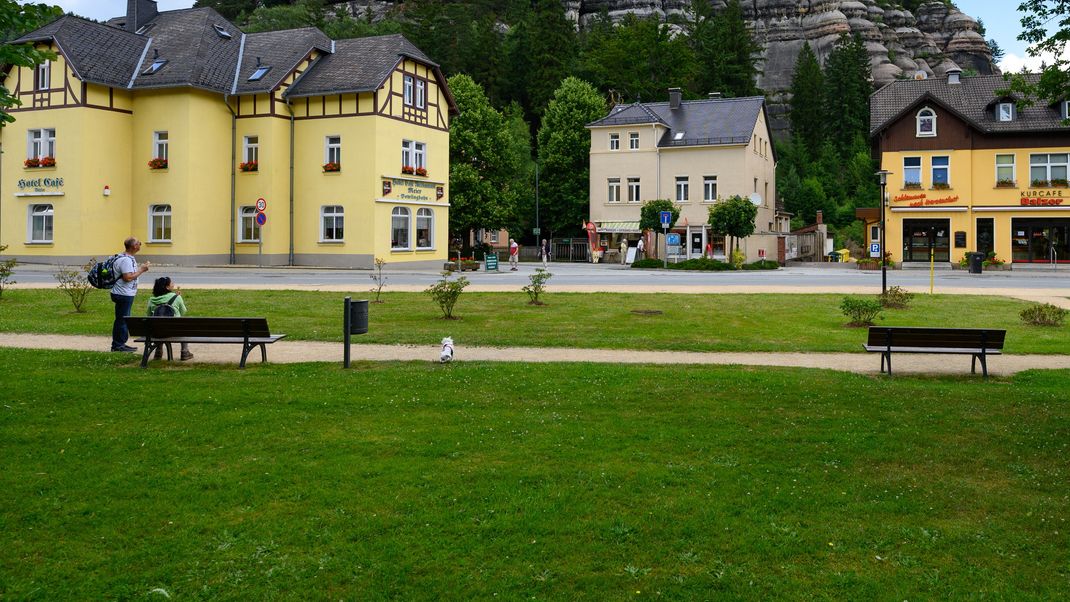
[[447, 351]]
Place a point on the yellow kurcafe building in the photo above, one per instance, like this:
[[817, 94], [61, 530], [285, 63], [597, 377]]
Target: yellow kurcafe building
[[171, 126], [971, 171]]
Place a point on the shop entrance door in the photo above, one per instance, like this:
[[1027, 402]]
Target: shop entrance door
[[696, 244], [922, 235], [1041, 241]]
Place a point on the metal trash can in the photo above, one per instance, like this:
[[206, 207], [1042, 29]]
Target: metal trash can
[[358, 317], [975, 262]]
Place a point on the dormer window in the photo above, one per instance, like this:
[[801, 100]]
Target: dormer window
[[223, 33], [1005, 111], [926, 123]]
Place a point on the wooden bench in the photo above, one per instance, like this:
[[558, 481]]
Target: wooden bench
[[157, 332], [978, 342]]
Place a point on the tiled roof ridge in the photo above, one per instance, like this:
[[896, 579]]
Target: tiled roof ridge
[[699, 100], [67, 18]]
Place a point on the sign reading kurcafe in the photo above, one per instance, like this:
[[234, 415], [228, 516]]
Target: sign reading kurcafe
[[1050, 198]]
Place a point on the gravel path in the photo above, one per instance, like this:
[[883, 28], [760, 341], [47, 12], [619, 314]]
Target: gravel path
[[308, 351]]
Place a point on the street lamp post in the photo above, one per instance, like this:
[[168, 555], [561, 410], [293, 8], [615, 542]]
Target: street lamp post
[[883, 176]]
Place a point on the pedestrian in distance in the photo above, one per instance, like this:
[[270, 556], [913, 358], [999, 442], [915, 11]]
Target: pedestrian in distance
[[545, 253], [639, 249], [167, 301], [514, 255], [623, 251], [123, 292]]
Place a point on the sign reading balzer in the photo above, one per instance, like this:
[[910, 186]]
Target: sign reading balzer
[[1042, 197]]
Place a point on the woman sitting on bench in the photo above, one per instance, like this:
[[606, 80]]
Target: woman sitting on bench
[[167, 301]]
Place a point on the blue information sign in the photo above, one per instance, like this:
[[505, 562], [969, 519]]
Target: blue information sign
[[672, 239]]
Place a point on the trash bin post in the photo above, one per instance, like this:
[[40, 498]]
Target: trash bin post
[[355, 321], [976, 262]]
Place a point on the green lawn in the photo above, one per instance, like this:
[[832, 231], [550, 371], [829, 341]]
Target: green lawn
[[758, 322], [417, 481]]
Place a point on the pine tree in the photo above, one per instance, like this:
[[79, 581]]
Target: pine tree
[[807, 96], [725, 50], [540, 53], [847, 90]]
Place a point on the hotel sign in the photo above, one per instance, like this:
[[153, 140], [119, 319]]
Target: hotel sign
[[1050, 198], [406, 189], [39, 187]]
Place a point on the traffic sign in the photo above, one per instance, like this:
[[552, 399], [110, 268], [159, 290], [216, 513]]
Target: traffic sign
[[875, 249], [261, 204], [536, 231], [672, 239], [666, 218], [261, 218]]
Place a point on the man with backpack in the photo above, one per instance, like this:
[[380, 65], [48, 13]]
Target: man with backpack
[[123, 292]]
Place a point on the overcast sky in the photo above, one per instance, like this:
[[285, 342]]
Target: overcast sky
[[1002, 21]]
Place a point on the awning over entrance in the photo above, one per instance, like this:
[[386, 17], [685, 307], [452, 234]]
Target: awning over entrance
[[619, 227]]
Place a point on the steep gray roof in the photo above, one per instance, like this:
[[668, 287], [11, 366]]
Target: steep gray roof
[[280, 50], [973, 100], [702, 122], [97, 53], [196, 54], [358, 65]]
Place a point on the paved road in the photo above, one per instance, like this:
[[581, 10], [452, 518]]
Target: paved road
[[600, 277]]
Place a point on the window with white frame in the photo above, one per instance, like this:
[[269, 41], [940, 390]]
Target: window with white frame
[[634, 195], [633, 140], [911, 171], [682, 187], [1005, 111], [941, 171], [42, 78], [926, 123], [39, 228], [709, 188], [614, 142], [413, 154], [420, 101], [613, 194], [1045, 169], [425, 228], [493, 237], [248, 230], [159, 223], [399, 228], [1066, 109], [332, 223], [159, 145], [408, 85], [332, 150], [251, 149], [874, 233], [40, 143], [1004, 169]]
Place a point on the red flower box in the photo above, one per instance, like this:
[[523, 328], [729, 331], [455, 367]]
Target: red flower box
[[332, 167], [249, 166], [408, 169], [158, 163], [32, 162], [421, 171]]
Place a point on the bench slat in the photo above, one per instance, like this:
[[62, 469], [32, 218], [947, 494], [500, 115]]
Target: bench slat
[[953, 350], [221, 340]]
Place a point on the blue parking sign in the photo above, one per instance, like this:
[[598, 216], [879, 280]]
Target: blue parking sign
[[875, 249]]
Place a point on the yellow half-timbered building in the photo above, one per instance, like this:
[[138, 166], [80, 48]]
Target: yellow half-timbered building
[[171, 126]]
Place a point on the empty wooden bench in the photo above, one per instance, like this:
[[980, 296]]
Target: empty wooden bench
[[158, 332], [978, 342]]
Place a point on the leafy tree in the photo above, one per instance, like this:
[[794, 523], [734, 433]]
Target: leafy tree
[[810, 199], [847, 91], [485, 169], [807, 94], [564, 152], [519, 138], [1037, 17], [639, 58], [650, 214], [16, 20], [305, 13], [733, 217], [726, 53], [342, 26]]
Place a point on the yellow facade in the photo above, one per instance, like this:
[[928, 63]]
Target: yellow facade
[[102, 189], [973, 192]]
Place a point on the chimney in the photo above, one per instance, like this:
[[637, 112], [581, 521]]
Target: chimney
[[953, 75], [715, 95], [819, 217], [139, 12], [674, 98]]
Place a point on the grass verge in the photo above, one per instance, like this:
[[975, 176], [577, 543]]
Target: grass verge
[[752, 322], [418, 481]]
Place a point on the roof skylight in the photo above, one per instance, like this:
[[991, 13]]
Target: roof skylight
[[259, 73], [678, 136], [223, 33], [145, 28], [156, 65]]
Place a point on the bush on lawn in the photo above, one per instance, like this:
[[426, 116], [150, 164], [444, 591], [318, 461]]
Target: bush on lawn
[[895, 298], [1043, 314], [862, 312], [445, 292], [537, 286]]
